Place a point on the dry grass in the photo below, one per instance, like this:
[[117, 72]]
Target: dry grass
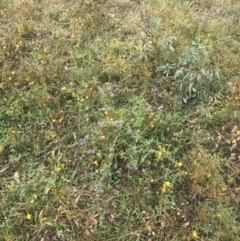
[[95, 143]]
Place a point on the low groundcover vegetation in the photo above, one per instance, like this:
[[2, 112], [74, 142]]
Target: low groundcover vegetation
[[119, 120]]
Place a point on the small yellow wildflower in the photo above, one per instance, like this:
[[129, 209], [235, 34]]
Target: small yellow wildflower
[[53, 134], [238, 133], [165, 187], [64, 88], [159, 154], [102, 137], [138, 48], [179, 164], [167, 184], [164, 190], [152, 124], [54, 120], [209, 175], [152, 180], [224, 189], [29, 216], [194, 234], [32, 201], [11, 188], [59, 167], [44, 219]]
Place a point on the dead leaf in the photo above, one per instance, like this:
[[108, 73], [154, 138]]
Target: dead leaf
[[186, 224], [16, 177], [235, 114], [234, 130], [193, 121], [237, 189], [233, 147], [66, 180], [47, 190], [149, 228], [87, 232], [94, 220]]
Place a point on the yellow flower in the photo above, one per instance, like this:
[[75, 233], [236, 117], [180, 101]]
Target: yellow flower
[[223, 189], [59, 167], [44, 219], [11, 188], [164, 190], [159, 154], [32, 201], [63, 88], [53, 134], [194, 234], [238, 133], [152, 180], [179, 164], [209, 175], [29, 216], [152, 124], [167, 184], [165, 187]]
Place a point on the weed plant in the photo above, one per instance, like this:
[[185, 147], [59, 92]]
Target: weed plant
[[119, 120]]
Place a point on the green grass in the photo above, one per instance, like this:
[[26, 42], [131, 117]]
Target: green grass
[[115, 123]]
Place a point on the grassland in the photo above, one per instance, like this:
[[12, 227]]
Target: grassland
[[119, 120]]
